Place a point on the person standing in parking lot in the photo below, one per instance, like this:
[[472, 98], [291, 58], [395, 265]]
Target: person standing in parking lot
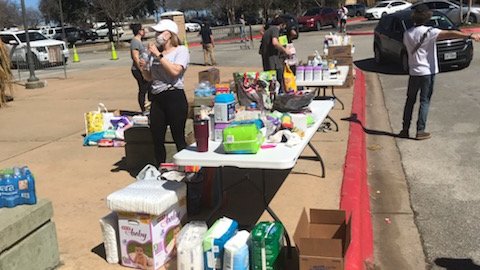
[[208, 44], [342, 17], [420, 41], [136, 50]]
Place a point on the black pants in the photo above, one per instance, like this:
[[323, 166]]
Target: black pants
[[143, 88], [169, 108]]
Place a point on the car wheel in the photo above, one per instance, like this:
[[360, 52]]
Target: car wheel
[[319, 26], [378, 54], [404, 61], [384, 13], [358, 14]]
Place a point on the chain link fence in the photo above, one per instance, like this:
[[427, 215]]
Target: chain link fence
[[44, 60], [236, 33]]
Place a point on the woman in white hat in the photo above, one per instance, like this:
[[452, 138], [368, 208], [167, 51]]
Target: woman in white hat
[[166, 69]]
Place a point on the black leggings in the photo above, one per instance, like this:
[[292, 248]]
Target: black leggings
[[143, 88], [169, 108]]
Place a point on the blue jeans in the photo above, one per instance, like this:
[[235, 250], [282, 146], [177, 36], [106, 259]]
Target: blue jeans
[[425, 85]]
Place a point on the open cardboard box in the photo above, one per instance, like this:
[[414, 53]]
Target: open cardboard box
[[322, 238]]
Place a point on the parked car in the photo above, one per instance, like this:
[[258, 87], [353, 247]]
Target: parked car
[[88, 34], [356, 10], [72, 34], [102, 31], [452, 10], [192, 27], [386, 7], [45, 51], [388, 41], [316, 18], [253, 20]]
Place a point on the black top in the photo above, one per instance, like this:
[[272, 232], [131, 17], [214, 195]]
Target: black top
[[206, 32]]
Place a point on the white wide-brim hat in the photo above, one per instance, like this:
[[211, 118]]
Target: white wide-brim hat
[[164, 25]]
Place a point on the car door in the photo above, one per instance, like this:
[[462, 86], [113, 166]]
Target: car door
[[16, 51], [396, 6], [327, 17], [396, 38]]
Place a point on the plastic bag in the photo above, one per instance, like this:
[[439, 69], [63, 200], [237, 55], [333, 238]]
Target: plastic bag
[[99, 120], [257, 87], [289, 79], [293, 102]]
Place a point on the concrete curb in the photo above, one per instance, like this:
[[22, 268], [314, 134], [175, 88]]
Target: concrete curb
[[354, 196]]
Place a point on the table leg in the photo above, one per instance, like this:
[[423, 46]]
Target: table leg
[[219, 204], [275, 217], [333, 94], [331, 119], [319, 158]]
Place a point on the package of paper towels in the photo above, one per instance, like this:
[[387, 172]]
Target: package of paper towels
[[152, 197], [235, 256], [109, 226]]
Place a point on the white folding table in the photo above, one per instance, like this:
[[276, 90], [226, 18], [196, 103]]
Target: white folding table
[[329, 81], [279, 157]]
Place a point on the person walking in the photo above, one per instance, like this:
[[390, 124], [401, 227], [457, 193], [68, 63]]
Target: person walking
[[208, 44], [342, 17], [420, 41], [136, 50], [271, 49], [166, 72], [243, 36]]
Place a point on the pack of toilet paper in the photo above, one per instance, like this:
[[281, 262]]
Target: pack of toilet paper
[[152, 197]]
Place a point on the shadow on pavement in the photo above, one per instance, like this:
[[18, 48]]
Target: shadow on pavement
[[100, 251], [370, 66], [456, 264], [353, 118]]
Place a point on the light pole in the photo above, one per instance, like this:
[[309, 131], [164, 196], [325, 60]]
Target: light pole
[[32, 82]]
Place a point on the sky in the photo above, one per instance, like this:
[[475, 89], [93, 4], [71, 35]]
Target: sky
[[32, 3]]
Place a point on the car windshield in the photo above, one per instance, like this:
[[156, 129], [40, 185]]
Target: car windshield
[[458, 3], [312, 12], [382, 4], [437, 21], [34, 36]]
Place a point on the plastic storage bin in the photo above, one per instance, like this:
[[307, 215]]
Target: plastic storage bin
[[242, 139]]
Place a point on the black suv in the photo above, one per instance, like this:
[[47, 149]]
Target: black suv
[[388, 41], [356, 10], [72, 34]]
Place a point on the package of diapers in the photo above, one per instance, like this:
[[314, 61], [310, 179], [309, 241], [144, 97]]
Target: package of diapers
[[109, 226], [189, 246], [213, 244], [235, 256], [152, 197], [148, 241]]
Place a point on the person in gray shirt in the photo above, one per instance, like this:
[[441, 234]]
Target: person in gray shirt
[[166, 70], [136, 51], [272, 51]]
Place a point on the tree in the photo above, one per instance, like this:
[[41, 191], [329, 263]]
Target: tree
[[34, 17], [75, 12], [9, 14], [115, 11]]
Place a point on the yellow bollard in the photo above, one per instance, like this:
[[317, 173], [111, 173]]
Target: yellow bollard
[[76, 59], [114, 53]]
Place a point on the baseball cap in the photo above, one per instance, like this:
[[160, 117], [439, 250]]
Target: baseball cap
[[164, 25]]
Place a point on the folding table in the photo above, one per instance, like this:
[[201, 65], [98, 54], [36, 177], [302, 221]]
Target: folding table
[[279, 157]]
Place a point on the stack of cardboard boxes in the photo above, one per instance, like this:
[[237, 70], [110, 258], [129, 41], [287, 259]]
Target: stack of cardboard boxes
[[343, 55]]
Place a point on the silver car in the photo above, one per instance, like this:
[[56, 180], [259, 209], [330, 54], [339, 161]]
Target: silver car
[[452, 10]]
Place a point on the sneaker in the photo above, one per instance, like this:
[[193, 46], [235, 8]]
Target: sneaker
[[403, 134], [422, 135]]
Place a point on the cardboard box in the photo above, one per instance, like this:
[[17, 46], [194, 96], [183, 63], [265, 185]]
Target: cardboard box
[[149, 241], [322, 238], [334, 51], [211, 75]]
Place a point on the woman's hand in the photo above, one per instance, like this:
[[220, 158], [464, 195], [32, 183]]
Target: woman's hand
[[153, 49]]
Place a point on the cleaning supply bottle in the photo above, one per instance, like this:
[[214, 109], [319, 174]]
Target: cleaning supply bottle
[[317, 59]]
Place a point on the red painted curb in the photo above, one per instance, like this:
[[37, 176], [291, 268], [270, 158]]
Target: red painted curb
[[470, 30], [357, 19], [360, 33], [355, 199]]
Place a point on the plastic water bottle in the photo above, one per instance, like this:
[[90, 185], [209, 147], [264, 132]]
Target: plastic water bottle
[[1, 195], [9, 191], [146, 57], [29, 195]]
